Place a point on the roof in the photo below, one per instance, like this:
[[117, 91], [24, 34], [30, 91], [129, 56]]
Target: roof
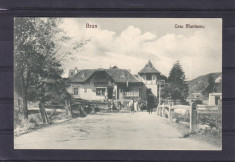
[[215, 94], [149, 68], [82, 75], [118, 75], [122, 75]]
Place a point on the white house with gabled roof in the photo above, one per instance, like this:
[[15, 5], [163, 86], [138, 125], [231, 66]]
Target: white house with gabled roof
[[102, 84]]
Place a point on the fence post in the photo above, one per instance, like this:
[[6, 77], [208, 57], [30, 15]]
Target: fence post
[[158, 110], [193, 117], [70, 112], [170, 116], [162, 110], [68, 107], [43, 113]]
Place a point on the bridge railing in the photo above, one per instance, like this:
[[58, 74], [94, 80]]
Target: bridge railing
[[166, 111]]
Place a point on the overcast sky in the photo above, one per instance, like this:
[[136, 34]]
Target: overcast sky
[[129, 42]]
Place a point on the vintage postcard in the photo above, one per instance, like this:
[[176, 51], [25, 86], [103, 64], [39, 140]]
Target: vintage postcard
[[118, 83]]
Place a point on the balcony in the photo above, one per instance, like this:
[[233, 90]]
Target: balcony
[[131, 94]]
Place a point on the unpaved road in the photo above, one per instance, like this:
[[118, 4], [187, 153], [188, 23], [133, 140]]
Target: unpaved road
[[126, 131]]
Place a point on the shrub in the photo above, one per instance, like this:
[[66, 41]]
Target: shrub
[[213, 120], [181, 117]]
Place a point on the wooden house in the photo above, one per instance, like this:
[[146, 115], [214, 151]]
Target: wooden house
[[103, 84]]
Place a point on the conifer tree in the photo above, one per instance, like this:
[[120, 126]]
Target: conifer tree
[[177, 87]]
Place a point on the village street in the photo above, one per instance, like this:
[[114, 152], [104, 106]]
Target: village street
[[139, 131]]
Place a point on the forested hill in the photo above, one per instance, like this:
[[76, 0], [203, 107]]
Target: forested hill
[[200, 83]]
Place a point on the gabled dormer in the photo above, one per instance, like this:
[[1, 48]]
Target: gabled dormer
[[73, 72]]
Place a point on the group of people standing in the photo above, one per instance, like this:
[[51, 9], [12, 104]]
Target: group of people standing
[[135, 106]]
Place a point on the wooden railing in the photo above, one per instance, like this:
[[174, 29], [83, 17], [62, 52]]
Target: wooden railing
[[165, 111]]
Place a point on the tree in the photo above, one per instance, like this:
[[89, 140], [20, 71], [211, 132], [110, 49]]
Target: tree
[[177, 87], [210, 87], [37, 68]]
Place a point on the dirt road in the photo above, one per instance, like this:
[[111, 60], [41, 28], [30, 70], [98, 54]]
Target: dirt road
[[139, 131]]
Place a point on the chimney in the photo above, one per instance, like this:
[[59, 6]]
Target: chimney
[[76, 70]]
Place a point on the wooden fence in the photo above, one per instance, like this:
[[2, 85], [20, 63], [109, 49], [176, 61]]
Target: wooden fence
[[73, 107], [166, 111], [73, 104]]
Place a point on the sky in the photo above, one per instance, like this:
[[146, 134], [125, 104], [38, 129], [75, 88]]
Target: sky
[[129, 43]]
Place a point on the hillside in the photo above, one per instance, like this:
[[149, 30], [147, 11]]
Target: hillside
[[200, 83]]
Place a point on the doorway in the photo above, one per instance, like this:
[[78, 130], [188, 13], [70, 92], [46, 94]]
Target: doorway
[[217, 98], [110, 93]]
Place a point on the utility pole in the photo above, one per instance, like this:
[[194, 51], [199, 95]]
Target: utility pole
[[160, 83], [159, 94]]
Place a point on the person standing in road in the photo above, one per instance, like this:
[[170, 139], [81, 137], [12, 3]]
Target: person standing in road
[[135, 106], [132, 105], [150, 103]]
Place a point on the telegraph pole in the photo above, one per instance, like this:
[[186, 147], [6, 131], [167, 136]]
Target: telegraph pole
[[159, 94], [160, 83]]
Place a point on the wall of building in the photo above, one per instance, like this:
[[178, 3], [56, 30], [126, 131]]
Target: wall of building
[[151, 84], [143, 92], [213, 97], [132, 91], [153, 88], [86, 91]]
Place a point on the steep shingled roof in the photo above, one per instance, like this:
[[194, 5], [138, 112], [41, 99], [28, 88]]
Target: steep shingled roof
[[149, 68], [122, 75], [82, 75], [118, 75]]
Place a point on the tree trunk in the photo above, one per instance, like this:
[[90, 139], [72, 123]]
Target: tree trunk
[[68, 107], [24, 99], [25, 106], [43, 113]]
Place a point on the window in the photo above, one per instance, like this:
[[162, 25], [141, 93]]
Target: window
[[153, 77], [149, 77], [100, 91], [85, 90], [128, 94], [75, 91], [114, 92]]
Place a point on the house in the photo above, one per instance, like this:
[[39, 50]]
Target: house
[[103, 84], [150, 77], [214, 99]]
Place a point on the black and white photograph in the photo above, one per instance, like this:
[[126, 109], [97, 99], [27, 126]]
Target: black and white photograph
[[118, 83]]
